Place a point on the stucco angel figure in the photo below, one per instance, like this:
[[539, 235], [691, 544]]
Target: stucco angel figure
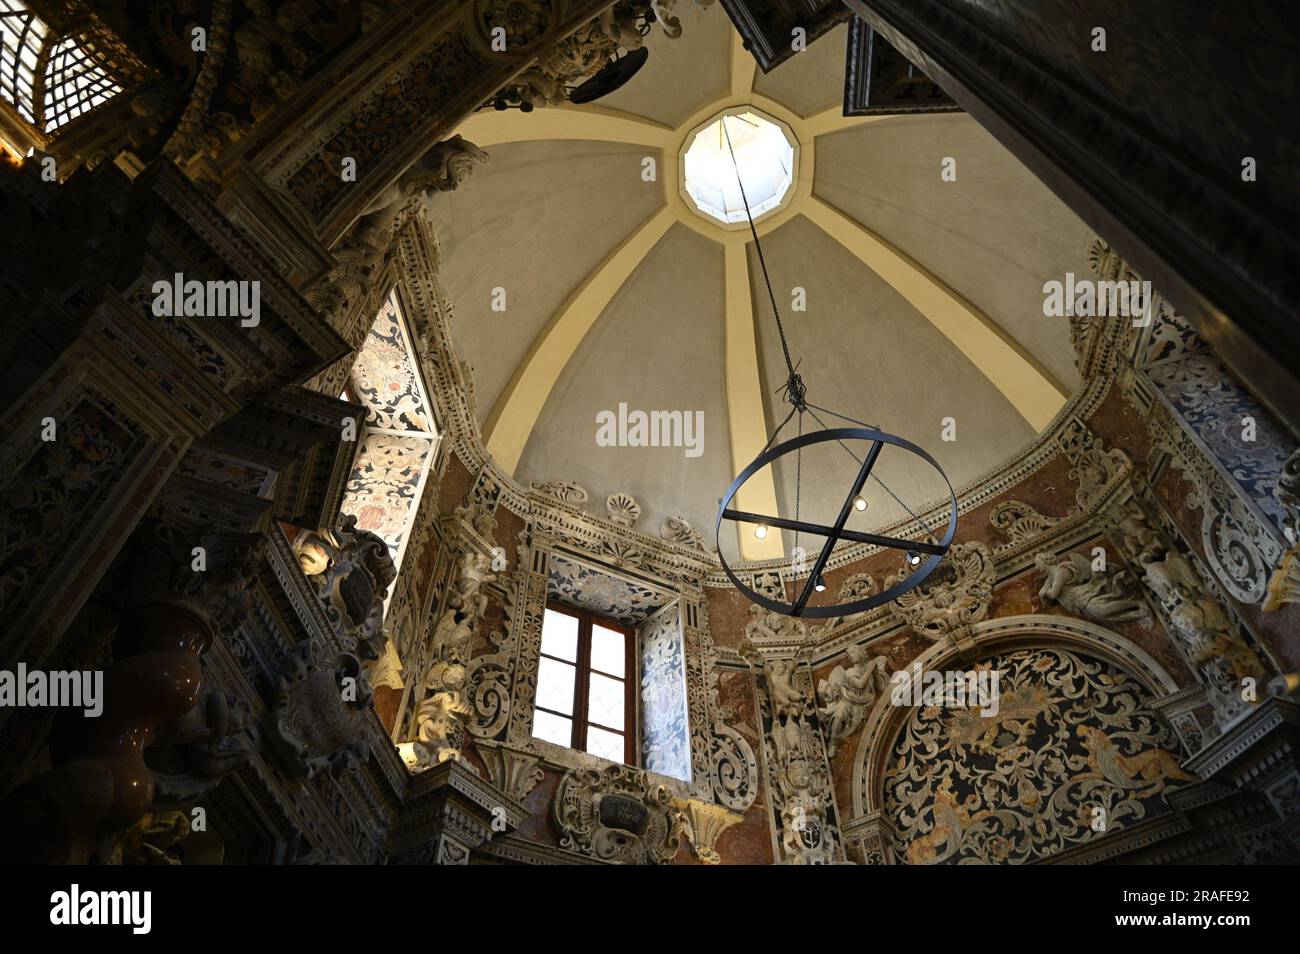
[[847, 694], [770, 625], [442, 169], [1076, 587], [787, 700]]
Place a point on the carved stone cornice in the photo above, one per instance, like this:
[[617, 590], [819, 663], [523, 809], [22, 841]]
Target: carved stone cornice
[[450, 803], [1273, 722]]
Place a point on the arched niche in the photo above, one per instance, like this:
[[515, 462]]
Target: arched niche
[[1127, 677]]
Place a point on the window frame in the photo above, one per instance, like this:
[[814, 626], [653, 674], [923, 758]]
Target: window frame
[[582, 681]]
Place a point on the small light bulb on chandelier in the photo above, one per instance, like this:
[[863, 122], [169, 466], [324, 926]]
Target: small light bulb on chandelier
[[913, 558], [859, 503], [761, 531], [820, 585]]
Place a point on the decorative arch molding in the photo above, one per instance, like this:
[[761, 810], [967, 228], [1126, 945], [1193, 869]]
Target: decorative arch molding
[[989, 638]]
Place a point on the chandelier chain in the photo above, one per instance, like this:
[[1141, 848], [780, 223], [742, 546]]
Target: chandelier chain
[[795, 390]]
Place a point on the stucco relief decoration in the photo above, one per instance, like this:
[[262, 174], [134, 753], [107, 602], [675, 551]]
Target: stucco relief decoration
[[453, 634], [768, 628], [623, 509], [320, 712], [616, 814], [1072, 752], [456, 687], [440, 716], [678, 529], [1205, 634], [361, 253], [1020, 522], [350, 569], [1108, 266], [1240, 547], [1284, 586], [849, 692], [1075, 584], [703, 823], [798, 777], [859, 586], [525, 22], [190, 756], [955, 597], [735, 768], [1239, 553], [620, 28], [563, 491], [1091, 464]]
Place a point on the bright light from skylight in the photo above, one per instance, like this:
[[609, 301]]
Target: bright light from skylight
[[764, 154]]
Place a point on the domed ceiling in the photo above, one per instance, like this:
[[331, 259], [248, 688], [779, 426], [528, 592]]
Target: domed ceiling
[[586, 283]]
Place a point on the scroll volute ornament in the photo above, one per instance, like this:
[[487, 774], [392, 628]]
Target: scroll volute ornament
[[954, 598], [319, 719], [1284, 584], [617, 815]]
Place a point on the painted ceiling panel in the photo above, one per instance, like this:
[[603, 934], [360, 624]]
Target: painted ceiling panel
[[869, 355], [682, 74], [995, 235], [657, 346], [526, 222], [810, 81]]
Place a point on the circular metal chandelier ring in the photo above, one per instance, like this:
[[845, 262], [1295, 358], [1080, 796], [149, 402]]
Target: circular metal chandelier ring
[[799, 607]]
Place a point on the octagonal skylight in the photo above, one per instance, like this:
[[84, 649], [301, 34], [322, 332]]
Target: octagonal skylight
[[764, 153]]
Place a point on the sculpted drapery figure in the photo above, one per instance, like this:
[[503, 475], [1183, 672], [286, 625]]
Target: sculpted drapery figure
[[847, 694], [1077, 587]]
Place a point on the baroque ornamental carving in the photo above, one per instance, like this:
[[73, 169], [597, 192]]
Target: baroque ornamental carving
[[703, 824], [735, 768], [678, 529], [351, 571], [1284, 585], [954, 598], [768, 628], [319, 719], [1095, 468], [1019, 522], [623, 509], [563, 491], [617, 815], [190, 756], [361, 253], [440, 716], [620, 28], [798, 776], [848, 693], [1076, 585], [1207, 638], [1240, 549], [519, 24]]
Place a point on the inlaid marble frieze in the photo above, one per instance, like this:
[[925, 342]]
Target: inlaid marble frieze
[[665, 729], [1072, 753]]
